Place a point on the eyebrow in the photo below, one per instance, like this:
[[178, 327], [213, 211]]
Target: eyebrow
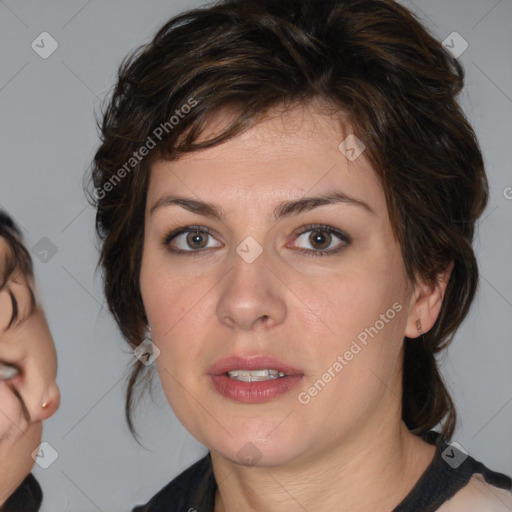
[[284, 209]]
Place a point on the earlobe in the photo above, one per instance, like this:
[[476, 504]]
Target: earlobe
[[410, 333], [427, 305], [49, 404]]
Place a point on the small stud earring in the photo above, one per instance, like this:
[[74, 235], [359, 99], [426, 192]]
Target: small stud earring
[[44, 405], [418, 325]]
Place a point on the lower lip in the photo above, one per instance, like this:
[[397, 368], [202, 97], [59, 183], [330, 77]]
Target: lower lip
[[254, 392]]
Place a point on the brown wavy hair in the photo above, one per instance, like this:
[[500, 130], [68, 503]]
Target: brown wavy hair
[[371, 60]]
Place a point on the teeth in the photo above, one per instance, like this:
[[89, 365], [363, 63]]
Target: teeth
[[255, 375]]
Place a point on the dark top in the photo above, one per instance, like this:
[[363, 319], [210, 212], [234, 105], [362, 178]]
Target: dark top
[[26, 498], [449, 471]]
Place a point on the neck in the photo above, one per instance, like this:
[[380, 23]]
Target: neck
[[374, 470]]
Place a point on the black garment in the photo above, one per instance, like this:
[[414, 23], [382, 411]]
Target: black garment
[[26, 498], [194, 488]]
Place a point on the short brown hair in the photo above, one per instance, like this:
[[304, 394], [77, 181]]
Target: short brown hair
[[370, 59]]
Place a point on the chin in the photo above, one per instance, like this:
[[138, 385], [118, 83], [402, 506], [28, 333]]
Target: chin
[[250, 448]]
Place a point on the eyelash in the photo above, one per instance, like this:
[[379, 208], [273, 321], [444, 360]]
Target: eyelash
[[167, 239], [14, 303], [15, 308]]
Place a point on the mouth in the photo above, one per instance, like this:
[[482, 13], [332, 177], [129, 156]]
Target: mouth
[[255, 375], [257, 368], [253, 379]]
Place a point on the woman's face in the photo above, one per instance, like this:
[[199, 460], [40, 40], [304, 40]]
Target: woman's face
[[245, 290], [27, 344]]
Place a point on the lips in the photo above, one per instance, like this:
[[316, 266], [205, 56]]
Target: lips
[[253, 392], [256, 362]]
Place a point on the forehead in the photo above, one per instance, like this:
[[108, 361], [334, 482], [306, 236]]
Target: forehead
[[286, 155]]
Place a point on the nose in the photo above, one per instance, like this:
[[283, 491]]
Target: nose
[[251, 295]]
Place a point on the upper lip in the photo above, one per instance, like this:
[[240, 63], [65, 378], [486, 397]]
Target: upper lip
[[256, 362]]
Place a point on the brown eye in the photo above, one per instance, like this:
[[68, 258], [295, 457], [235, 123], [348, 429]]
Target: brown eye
[[323, 240], [320, 239], [197, 240], [190, 239]]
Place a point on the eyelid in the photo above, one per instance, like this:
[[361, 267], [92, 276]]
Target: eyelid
[[14, 308], [167, 238], [324, 227], [15, 317], [345, 239]]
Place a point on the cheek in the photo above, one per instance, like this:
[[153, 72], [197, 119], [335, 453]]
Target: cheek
[[170, 303], [357, 335], [342, 305], [175, 313], [30, 442], [158, 289], [169, 289], [355, 358], [18, 452]]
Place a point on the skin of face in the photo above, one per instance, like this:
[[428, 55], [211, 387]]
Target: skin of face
[[27, 344], [304, 310]]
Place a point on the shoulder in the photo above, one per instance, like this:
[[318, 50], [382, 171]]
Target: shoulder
[[456, 482], [27, 497], [195, 482], [479, 496]]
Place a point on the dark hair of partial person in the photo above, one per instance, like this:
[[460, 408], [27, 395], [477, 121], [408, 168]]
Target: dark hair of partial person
[[378, 70], [16, 260], [28, 495]]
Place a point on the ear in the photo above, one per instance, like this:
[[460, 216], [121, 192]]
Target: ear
[[425, 304]]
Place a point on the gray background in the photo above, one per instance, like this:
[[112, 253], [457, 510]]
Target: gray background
[[48, 138]]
